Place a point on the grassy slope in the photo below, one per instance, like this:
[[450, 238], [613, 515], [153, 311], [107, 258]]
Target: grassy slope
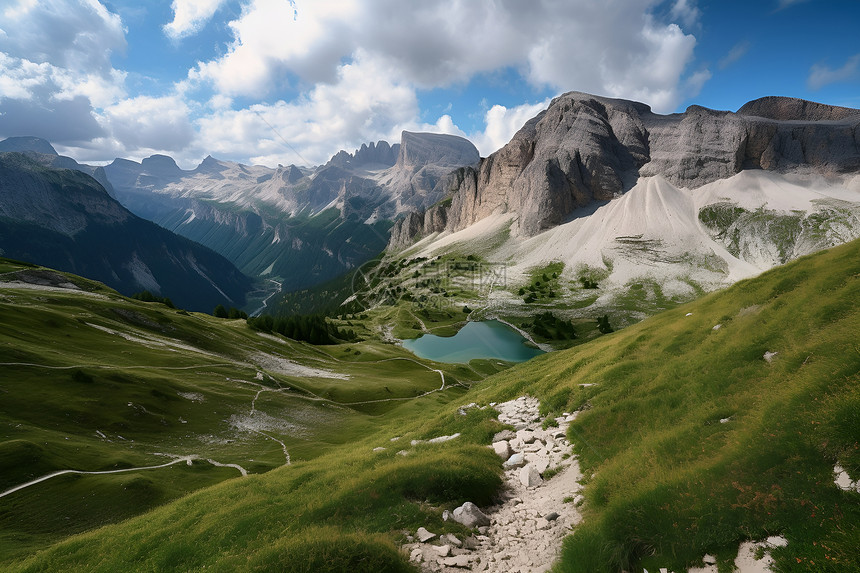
[[159, 381], [671, 482], [668, 481]]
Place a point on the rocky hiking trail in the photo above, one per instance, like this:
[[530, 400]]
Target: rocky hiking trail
[[524, 532]]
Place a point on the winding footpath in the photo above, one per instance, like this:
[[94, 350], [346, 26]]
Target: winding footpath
[[536, 510], [187, 459]]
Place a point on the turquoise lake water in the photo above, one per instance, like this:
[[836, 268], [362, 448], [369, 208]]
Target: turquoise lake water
[[488, 339]]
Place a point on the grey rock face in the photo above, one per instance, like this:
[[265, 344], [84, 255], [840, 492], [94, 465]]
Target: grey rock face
[[585, 148]]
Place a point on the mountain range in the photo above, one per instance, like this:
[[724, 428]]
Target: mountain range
[[65, 219], [671, 204], [653, 206], [302, 226]]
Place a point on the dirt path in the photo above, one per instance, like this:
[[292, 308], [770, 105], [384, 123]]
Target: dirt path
[[187, 459]]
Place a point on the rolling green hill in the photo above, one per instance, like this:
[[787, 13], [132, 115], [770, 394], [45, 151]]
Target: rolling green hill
[[693, 438]]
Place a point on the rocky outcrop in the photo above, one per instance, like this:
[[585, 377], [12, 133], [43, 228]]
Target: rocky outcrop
[[586, 148]]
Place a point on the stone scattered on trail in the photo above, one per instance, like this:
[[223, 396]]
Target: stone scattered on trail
[[529, 476], [709, 559], [503, 449], [524, 532], [504, 435], [457, 561], [469, 515], [417, 555], [423, 535]]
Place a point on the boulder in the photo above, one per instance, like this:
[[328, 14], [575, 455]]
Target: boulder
[[515, 461], [503, 449], [529, 476], [469, 515], [504, 435], [423, 535]]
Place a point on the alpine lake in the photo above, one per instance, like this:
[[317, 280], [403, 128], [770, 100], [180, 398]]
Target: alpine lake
[[485, 339]]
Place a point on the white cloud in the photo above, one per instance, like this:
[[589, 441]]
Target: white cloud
[[151, 123], [737, 52], [353, 69], [55, 68], [501, 123], [79, 35], [189, 16], [821, 75], [365, 104], [686, 12], [587, 45]]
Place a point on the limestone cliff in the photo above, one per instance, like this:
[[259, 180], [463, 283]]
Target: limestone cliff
[[586, 148]]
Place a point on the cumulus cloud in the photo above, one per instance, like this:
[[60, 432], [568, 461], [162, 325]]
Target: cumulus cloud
[[613, 47], [144, 122], [686, 12], [501, 123], [821, 75], [79, 35], [189, 16], [336, 73], [366, 103], [55, 68]]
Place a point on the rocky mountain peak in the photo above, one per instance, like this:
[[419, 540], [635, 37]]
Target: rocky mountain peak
[[780, 108], [586, 148], [418, 149], [28, 143], [161, 165], [210, 165]]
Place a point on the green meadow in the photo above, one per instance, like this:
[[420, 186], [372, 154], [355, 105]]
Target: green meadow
[[692, 438]]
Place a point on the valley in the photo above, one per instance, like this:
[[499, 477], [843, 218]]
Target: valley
[[641, 325]]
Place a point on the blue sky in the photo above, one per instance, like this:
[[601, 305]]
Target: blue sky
[[280, 81]]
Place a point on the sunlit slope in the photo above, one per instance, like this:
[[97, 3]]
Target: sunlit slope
[[692, 440], [696, 441], [94, 382]]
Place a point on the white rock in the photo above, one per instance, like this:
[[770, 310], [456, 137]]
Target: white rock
[[529, 476], [457, 561], [709, 559], [423, 535], [717, 327], [527, 436], [469, 515], [503, 449], [777, 541], [441, 439], [769, 356], [403, 453], [417, 555], [515, 461], [443, 550], [452, 539], [379, 449]]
